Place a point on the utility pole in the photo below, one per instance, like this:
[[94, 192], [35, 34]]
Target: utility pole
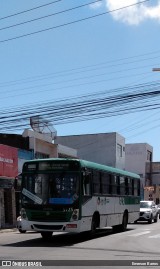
[[156, 69]]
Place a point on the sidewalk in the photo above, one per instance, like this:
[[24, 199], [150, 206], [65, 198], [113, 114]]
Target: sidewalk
[[6, 230]]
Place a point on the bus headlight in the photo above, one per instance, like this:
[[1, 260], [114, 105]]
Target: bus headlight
[[23, 213], [75, 214]]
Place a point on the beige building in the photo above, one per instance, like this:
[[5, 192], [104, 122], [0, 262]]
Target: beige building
[[44, 147]]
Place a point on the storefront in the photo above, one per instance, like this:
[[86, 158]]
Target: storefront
[[8, 172]]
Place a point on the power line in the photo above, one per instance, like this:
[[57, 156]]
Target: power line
[[49, 15], [70, 23], [83, 69], [28, 10], [124, 90], [142, 97]]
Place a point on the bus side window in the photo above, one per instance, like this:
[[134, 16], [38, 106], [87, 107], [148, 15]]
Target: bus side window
[[96, 182], [104, 183], [135, 188], [122, 185], [87, 184], [112, 184], [126, 185], [118, 184], [132, 186], [138, 183]]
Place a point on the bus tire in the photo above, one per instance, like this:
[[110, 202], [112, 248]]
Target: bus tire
[[95, 223], [46, 235], [124, 222], [122, 227]]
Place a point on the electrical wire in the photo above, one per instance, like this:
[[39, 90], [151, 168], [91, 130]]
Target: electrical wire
[[70, 23], [28, 10], [141, 97], [49, 15]]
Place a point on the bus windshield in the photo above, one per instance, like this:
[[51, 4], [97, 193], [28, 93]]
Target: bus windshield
[[60, 187]]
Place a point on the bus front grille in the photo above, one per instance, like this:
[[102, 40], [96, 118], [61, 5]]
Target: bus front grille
[[50, 216], [48, 227]]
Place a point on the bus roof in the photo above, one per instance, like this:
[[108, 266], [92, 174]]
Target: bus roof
[[108, 168], [92, 165]]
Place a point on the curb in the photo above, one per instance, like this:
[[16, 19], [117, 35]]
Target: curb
[[8, 230]]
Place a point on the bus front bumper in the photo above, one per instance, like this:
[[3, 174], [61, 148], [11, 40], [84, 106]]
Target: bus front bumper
[[56, 227]]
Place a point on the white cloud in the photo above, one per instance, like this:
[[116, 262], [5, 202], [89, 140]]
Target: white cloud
[[96, 5], [135, 14]]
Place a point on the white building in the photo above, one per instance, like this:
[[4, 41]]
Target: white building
[[104, 148], [137, 155]]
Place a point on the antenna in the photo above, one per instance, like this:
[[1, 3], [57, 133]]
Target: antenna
[[41, 125]]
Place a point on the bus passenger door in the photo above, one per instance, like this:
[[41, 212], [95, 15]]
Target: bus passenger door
[[86, 189], [87, 203]]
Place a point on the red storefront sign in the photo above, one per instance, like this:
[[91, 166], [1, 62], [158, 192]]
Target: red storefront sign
[[8, 161]]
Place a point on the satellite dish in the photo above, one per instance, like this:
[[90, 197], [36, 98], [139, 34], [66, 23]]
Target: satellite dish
[[43, 126], [35, 124]]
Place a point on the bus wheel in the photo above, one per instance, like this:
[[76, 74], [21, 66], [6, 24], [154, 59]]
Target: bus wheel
[[93, 226], [95, 223], [46, 235], [122, 227], [124, 222]]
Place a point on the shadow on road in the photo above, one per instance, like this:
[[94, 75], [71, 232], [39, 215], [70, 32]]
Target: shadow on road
[[60, 240]]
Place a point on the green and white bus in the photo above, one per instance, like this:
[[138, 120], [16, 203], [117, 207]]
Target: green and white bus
[[73, 195]]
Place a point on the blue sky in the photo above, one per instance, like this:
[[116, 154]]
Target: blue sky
[[80, 56]]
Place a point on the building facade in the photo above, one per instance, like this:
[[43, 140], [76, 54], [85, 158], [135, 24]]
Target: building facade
[[8, 172], [43, 146], [152, 190], [137, 156], [104, 148], [14, 151]]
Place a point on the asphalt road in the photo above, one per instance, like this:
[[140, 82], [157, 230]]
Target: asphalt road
[[141, 242]]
